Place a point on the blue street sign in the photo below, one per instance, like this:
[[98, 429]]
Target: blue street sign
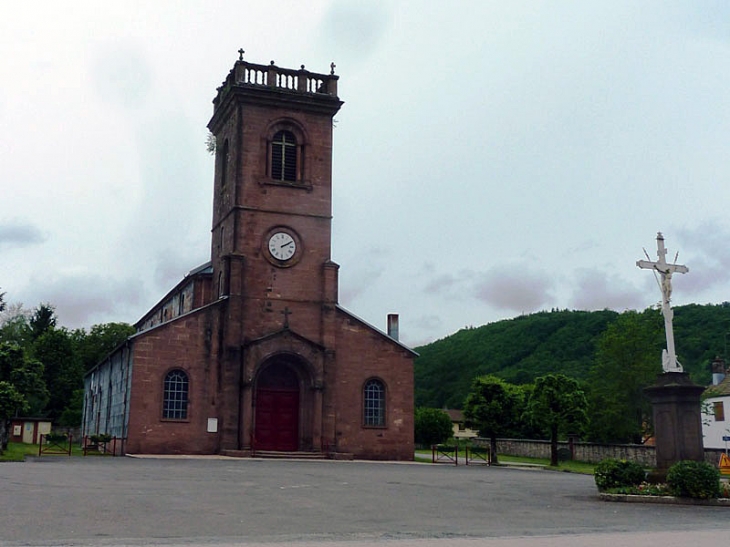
[[726, 438]]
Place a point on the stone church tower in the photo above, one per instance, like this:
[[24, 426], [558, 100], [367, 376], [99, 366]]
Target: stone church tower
[[251, 354]]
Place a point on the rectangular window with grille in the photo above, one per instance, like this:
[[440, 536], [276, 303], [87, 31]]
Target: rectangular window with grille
[[719, 409]]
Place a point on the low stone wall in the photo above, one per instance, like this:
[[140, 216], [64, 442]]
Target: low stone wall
[[712, 455], [587, 452]]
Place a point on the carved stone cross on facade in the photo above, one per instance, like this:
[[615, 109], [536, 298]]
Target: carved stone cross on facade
[[286, 312], [669, 357]]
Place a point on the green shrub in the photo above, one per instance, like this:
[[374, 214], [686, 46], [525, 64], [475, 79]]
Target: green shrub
[[644, 489], [611, 473], [56, 438], [689, 479], [101, 438]]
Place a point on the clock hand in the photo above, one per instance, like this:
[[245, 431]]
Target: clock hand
[[286, 244]]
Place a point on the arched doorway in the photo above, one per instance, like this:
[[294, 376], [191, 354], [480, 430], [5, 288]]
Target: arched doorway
[[277, 408]]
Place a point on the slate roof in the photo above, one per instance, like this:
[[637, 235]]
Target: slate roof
[[720, 390], [455, 415]]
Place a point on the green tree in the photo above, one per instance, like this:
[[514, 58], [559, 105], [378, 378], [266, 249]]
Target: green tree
[[63, 372], [14, 326], [558, 405], [517, 350], [28, 379], [12, 357], [628, 359], [432, 426], [73, 413], [100, 341], [11, 402], [25, 374], [42, 320], [524, 428], [492, 407]]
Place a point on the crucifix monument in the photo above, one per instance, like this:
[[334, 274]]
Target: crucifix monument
[[669, 356], [675, 398]]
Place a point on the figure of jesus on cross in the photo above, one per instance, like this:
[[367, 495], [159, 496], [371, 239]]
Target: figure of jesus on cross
[[669, 357]]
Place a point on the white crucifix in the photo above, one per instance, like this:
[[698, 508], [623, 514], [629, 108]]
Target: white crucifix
[[669, 357]]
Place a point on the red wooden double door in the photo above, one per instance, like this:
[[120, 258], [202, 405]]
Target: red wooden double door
[[277, 409]]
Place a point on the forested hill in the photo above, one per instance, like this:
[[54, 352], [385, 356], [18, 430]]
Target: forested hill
[[521, 349]]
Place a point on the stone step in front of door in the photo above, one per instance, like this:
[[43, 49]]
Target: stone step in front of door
[[290, 455], [277, 454]]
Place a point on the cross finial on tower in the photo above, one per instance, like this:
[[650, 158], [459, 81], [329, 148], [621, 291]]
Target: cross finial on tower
[[332, 68], [286, 312], [240, 54]]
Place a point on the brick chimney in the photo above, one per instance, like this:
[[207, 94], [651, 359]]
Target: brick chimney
[[393, 325], [718, 370]]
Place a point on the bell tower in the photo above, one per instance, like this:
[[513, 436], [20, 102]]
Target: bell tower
[[272, 205], [271, 233]]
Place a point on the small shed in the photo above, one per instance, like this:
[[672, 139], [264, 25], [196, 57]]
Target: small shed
[[459, 426], [28, 430]]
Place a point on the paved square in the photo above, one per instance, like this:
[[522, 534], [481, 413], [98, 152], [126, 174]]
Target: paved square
[[130, 501]]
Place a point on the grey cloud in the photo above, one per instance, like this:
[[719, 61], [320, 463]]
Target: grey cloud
[[582, 247], [169, 231], [122, 75], [441, 284], [15, 233], [431, 322], [428, 324], [171, 266], [360, 276], [354, 27], [706, 252], [453, 285], [514, 287], [596, 290], [85, 299]]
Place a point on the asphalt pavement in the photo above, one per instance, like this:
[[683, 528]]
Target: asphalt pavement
[[223, 501]]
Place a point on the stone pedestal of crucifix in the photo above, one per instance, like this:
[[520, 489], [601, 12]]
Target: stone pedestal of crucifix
[[675, 398]]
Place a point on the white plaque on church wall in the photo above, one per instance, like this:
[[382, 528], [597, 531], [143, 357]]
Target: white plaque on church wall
[[212, 425]]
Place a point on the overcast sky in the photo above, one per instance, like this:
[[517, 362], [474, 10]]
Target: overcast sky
[[492, 158]]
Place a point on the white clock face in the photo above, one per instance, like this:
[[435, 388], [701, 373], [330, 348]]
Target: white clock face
[[282, 246]]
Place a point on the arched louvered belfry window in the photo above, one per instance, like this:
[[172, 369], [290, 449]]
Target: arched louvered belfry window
[[175, 396], [374, 403], [284, 157]]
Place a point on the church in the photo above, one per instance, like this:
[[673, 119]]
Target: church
[[251, 353]]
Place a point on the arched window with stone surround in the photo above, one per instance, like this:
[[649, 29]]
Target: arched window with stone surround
[[374, 403], [175, 396]]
